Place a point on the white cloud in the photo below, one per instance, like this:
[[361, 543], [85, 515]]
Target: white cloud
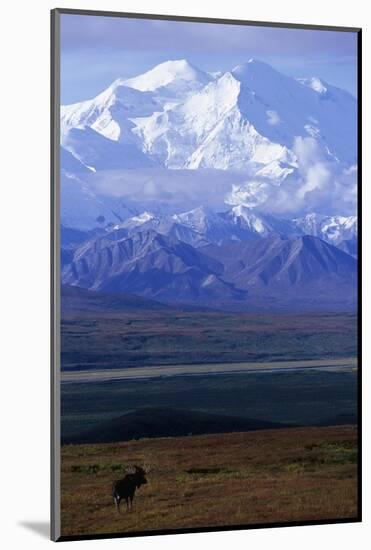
[[160, 189], [319, 184]]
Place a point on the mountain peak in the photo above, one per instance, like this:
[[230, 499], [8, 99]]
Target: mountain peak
[[165, 73], [204, 221], [250, 219], [257, 62], [179, 67], [144, 217], [176, 63], [250, 67], [138, 220], [315, 83], [241, 210], [200, 210], [332, 229]]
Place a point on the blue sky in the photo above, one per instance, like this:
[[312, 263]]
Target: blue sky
[[97, 50]]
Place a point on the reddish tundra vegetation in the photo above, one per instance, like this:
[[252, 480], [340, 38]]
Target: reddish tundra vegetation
[[283, 475]]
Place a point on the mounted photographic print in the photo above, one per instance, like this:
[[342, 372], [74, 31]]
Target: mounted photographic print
[[205, 285]]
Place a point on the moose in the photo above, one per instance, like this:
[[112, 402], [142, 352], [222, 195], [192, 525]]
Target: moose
[[125, 488]]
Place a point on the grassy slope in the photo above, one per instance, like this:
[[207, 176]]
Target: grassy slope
[[117, 340], [283, 475]]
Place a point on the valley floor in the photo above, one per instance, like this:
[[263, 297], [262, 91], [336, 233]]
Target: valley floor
[[198, 369], [284, 475], [98, 340]]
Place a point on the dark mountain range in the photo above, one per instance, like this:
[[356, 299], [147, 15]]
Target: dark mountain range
[[265, 272], [150, 265], [350, 246], [290, 274], [274, 261], [71, 239], [166, 422], [165, 225]]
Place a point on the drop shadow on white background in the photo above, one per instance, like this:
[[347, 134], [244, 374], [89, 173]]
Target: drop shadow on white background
[[41, 528]]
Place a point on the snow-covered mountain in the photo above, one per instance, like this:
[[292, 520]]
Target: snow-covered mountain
[[332, 229], [109, 113], [207, 223], [248, 221], [201, 226], [239, 223], [181, 117], [280, 107], [171, 78], [209, 130], [97, 152], [146, 237], [164, 225]]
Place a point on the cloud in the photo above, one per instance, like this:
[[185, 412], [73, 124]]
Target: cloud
[[164, 189], [320, 184]]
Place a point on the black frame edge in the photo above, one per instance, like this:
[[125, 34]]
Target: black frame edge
[[54, 277], [196, 19], [360, 261], [227, 528]]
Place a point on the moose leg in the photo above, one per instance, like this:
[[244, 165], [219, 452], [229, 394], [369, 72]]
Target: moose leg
[[127, 504], [116, 500], [131, 501]]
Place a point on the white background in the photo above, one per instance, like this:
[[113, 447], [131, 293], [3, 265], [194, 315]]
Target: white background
[[24, 272]]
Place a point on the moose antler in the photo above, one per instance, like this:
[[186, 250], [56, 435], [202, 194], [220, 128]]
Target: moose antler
[[133, 469]]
